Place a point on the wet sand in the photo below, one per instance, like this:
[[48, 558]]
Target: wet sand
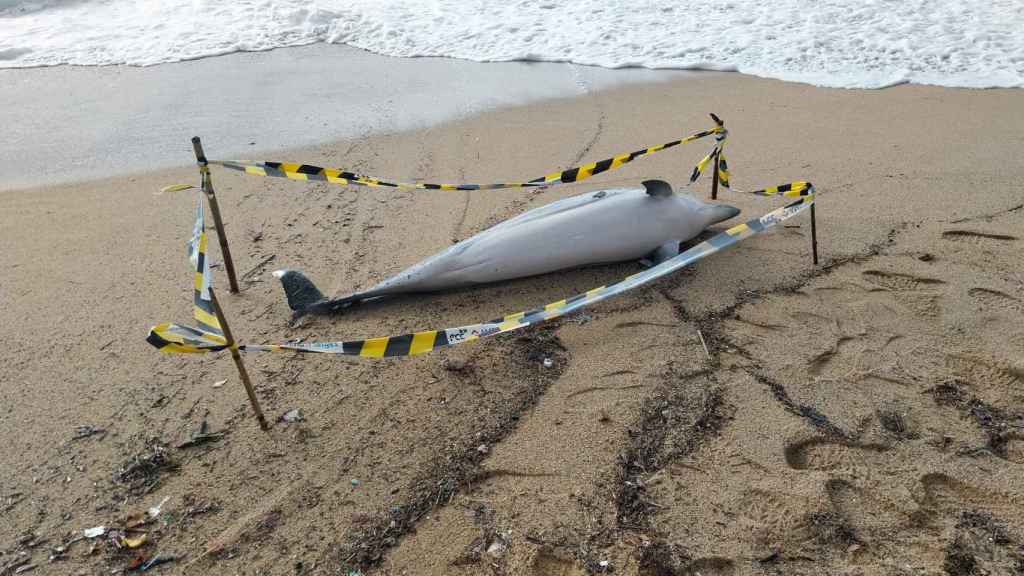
[[859, 417], [69, 124]]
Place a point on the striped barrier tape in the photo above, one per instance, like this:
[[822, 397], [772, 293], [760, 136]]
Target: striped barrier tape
[[716, 152], [422, 342], [723, 170], [798, 188], [208, 337], [344, 177]]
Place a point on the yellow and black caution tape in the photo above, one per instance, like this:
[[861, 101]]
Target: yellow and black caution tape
[[339, 176], [798, 188], [723, 170], [426, 341], [717, 152], [208, 337]]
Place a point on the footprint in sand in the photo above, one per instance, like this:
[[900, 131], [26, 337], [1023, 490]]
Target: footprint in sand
[[867, 511], [991, 379], [816, 366], [769, 516], [899, 282], [547, 564], [996, 301], [825, 454], [977, 238], [944, 494], [913, 292]]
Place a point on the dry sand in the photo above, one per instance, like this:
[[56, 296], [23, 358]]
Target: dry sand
[[861, 417]]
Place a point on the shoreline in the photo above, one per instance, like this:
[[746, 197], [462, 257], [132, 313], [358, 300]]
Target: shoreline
[[37, 156], [110, 120]]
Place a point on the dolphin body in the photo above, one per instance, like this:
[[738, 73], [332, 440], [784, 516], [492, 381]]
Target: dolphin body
[[593, 228]]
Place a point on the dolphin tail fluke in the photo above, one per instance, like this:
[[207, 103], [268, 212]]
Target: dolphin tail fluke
[[305, 298], [303, 295]]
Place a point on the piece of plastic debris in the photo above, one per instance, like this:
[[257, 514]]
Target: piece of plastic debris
[[603, 563], [176, 188], [58, 553], [220, 383], [155, 510], [294, 415], [201, 437], [482, 449], [95, 532], [497, 548], [136, 542], [548, 362], [138, 561], [582, 317], [156, 561], [355, 482], [25, 568], [86, 430]]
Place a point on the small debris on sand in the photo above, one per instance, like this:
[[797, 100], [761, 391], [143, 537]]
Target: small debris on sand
[[202, 436], [141, 473], [454, 364], [291, 416], [87, 430]]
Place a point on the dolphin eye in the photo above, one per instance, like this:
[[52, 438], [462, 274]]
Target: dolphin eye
[[601, 194]]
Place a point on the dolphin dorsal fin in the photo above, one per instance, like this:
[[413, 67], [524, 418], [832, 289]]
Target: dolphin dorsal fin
[[657, 188]]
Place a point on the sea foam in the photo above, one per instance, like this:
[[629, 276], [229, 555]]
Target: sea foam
[[838, 43]]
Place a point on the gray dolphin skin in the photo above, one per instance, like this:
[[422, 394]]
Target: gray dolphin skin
[[593, 228]]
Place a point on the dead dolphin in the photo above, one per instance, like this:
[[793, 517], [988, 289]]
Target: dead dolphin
[[592, 228]]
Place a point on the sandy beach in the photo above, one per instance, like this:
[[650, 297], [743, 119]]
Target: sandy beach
[[864, 416]]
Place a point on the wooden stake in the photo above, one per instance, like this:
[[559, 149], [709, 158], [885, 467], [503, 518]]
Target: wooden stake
[[237, 357], [814, 237], [222, 238], [714, 180]]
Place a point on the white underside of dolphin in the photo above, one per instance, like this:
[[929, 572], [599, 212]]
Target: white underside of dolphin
[[594, 228]]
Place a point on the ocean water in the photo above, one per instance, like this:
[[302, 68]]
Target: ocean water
[[839, 43]]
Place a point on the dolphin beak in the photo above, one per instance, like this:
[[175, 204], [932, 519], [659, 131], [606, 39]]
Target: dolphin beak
[[723, 212]]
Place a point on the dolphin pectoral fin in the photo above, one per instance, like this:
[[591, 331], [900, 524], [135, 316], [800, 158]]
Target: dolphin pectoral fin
[[664, 252]]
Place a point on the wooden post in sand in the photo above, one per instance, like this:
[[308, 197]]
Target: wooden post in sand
[[718, 152], [814, 237], [237, 357], [204, 170], [714, 180]]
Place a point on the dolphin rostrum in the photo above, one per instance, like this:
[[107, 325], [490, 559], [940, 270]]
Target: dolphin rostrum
[[593, 228]]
